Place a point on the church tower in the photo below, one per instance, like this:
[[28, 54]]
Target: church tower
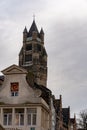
[[33, 56]]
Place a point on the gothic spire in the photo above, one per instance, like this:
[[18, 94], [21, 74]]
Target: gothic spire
[[41, 31], [33, 28], [25, 30]]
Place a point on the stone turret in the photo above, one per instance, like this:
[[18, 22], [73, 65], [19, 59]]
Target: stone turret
[[25, 34], [42, 35]]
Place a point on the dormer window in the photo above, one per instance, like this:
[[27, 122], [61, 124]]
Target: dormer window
[[14, 89]]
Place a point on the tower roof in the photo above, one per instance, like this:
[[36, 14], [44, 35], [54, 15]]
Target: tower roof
[[41, 31], [25, 30], [33, 28]]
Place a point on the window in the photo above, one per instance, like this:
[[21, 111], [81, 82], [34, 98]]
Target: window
[[28, 58], [32, 128], [29, 47], [7, 117], [19, 117], [31, 116], [14, 93], [14, 89], [38, 47]]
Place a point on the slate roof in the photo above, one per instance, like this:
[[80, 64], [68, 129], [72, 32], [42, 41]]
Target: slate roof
[[25, 30], [66, 115], [41, 31], [33, 28], [57, 104]]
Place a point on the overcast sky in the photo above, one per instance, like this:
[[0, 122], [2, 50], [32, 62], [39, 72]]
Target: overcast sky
[[65, 26]]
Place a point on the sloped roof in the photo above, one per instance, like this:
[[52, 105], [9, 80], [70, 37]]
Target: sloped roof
[[66, 115], [33, 28], [57, 104], [25, 30], [41, 31]]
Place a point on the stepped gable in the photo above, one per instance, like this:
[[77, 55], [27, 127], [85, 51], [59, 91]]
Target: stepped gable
[[57, 105]]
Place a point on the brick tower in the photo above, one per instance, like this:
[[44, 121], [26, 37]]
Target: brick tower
[[33, 56]]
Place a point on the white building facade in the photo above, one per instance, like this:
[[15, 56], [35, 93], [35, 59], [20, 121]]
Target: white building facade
[[21, 106]]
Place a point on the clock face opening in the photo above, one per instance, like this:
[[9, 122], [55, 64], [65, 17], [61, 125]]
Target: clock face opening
[[14, 87]]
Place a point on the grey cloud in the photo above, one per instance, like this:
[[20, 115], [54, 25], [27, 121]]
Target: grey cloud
[[68, 62], [65, 41]]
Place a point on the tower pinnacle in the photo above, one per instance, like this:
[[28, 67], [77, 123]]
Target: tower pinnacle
[[33, 17]]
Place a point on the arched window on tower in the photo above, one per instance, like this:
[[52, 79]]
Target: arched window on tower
[[28, 58], [29, 47]]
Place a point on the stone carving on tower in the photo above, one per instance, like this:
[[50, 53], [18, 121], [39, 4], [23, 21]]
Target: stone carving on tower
[[33, 55]]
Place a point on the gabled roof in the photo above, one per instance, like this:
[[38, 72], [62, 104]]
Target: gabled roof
[[14, 69], [33, 28], [57, 105]]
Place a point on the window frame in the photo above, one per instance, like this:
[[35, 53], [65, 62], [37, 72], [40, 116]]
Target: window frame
[[28, 58], [33, 117], [7, 119], [29, 47], [14, 89], [19, 119]]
